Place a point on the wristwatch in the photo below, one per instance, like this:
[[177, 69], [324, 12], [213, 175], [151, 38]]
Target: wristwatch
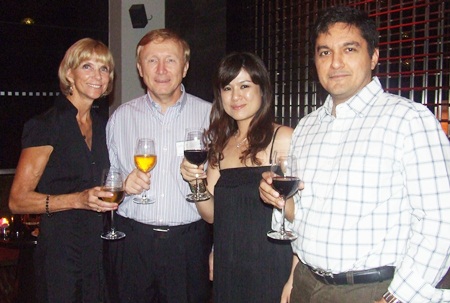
[[390, 298]]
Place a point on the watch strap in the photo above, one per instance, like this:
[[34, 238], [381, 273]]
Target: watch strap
[[390, 298]]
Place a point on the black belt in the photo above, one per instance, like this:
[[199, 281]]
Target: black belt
[[378, 274], [163, 232]]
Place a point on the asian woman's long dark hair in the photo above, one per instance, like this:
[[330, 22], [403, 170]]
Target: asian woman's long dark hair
[[223, 127]]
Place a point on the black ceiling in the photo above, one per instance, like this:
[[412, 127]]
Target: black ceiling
[[30, 54], [81, 14]]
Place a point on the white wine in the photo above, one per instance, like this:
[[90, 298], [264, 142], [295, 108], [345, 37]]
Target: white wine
[[118, 194], [145, 163]]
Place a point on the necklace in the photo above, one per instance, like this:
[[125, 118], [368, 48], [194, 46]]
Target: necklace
[[240, 143]]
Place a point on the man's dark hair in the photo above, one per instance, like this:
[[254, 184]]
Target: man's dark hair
[[350, 16]]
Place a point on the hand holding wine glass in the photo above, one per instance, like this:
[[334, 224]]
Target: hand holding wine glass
[[113, 182], [145, 161], [283, 180], [196, 152]]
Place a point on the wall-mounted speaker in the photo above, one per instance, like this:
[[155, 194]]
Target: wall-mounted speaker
[[138, 16]]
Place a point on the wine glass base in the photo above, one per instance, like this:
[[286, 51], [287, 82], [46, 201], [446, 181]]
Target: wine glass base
[[198, 197], [140, 200], [116, 235], [283, 236]]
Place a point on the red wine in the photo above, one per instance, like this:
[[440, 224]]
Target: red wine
[[286, 186], [196, 157]]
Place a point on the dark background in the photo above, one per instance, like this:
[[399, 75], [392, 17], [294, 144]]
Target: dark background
[[203, 25], [30, 56]]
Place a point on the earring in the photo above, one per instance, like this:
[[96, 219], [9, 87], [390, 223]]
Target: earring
[[70, 90]]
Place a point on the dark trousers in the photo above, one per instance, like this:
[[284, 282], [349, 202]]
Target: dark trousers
[[308, 289], [154, 266]]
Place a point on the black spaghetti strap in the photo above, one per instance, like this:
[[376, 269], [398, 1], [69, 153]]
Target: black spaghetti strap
[[273, 141]]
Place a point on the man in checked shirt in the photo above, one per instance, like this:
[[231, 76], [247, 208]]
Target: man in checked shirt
[[373, 217]]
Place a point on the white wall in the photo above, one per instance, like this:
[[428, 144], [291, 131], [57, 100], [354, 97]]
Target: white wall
[[123, 39]]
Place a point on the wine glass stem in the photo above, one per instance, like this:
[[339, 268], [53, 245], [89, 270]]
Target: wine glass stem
[[283, 212], [113, 227], [197, 189]]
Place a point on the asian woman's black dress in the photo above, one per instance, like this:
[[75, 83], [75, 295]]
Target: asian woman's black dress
[[248, 266]]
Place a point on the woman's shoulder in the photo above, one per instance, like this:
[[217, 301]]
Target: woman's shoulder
[[282, 138], [45, 120], [41, 129], [283, 131]]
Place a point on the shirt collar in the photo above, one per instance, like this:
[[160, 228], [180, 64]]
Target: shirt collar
[[61, 102], [359, 103], [181, 102]]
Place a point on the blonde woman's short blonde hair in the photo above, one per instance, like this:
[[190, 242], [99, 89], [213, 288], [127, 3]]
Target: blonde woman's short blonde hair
[[85, 49]]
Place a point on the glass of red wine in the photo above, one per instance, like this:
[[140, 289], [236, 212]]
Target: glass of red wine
[[283, 181], [196, 152], [113, 182]]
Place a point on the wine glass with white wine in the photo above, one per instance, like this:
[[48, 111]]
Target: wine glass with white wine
[[145, 161], [113, 182]]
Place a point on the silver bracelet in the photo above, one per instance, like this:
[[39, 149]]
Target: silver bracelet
[[201, 187]]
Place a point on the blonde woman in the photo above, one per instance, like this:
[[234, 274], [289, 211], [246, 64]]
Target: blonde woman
[[63, 156]]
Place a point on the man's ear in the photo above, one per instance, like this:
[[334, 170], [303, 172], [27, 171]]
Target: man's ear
[[375, 56], [185, 69]]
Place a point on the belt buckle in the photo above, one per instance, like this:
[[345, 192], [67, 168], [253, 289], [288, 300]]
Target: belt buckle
[[161, 233], [322, 273], [162, 230]]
